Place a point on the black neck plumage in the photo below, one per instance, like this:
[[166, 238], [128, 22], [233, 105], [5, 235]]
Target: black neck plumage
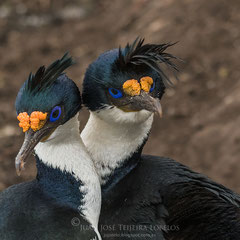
[[60, 186], [126, 167]]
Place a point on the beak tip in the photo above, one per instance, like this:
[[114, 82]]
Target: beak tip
[[158, 108], [18, 173], [19, 165], [18, 168], [159, 114]]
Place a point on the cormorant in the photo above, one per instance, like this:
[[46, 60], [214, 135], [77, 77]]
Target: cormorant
[[64, 200], [122, 89]]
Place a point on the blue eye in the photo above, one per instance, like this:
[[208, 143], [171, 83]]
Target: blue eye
[[152, 88], [55, 114], [115, 92]]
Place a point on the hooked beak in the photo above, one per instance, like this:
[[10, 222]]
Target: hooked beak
[[143, 101], [31, 139]]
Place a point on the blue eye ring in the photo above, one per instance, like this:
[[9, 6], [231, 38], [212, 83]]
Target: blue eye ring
[[152, 88], [53, 118], [116, 94]]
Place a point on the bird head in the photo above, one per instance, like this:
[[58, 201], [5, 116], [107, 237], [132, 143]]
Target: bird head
[[126, 85], [46, 100]]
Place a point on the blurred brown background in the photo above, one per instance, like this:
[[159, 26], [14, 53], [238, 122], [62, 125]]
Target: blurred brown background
[[201, 124]]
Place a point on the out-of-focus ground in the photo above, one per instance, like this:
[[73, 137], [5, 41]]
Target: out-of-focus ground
[[201, 123]]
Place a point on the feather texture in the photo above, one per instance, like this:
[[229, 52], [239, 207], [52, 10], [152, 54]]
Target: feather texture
[[151, 55], [44, 77]]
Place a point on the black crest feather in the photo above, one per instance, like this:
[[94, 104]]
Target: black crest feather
[[44, 77], [151, 55]]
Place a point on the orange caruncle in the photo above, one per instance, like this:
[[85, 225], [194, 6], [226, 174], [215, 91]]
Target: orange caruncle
[[24, 121], [37, 119], [132, 87], [146, 83]]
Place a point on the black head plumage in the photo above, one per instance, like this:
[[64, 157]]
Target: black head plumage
[[151, 55], [50, 87], [134, 61], [45, 77]]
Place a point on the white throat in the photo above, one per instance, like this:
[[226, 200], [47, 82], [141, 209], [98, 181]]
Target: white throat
[[66, 151], [110, 143]]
